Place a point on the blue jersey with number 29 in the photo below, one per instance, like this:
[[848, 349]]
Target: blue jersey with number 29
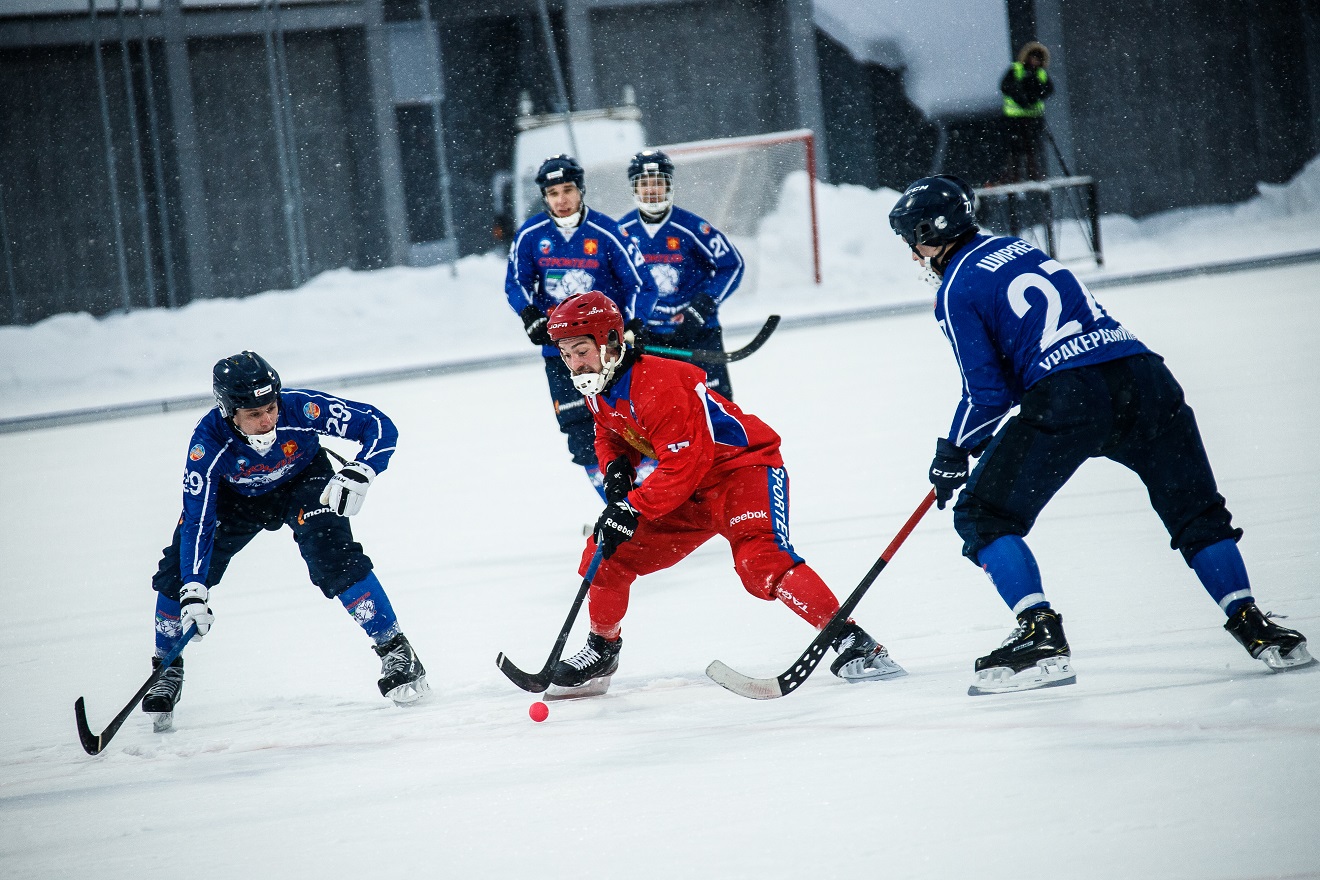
[[1014, 315]]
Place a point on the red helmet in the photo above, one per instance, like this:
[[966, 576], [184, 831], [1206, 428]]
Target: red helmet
[[587, 314]]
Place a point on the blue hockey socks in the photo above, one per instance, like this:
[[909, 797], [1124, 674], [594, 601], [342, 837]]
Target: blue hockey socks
[[370, 607], [1224, 575], [167, 624], [1013, 571]]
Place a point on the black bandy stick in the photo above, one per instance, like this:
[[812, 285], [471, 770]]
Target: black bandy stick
[[786, 682], [540, 681], [95, 743], [718, 357]]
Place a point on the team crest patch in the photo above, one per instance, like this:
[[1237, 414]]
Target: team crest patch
[[311, 410], [197, 452], [544, 246], [590, 246], [672, 243], [705, 229], [243, 463], [289, 447]]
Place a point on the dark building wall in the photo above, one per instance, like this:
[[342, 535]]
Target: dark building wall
[[485, 64], [243, 180], [1186, 102], [875, 136], [729, 79], [56, 183]]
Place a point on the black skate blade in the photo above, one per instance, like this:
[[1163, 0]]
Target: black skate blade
[[1050, 672], [593, 688], [162, 722]]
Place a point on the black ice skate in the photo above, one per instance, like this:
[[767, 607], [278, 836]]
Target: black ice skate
[[402, 676], [162, 695], [1275, 646], [861, 658], [588, 672], [1036, 655]]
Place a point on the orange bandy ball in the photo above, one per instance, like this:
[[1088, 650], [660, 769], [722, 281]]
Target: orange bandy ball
[[539, 711]]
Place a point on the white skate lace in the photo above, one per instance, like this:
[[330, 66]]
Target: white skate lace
[[396, 661], [167, 684], [1019, 631], [584, 658]]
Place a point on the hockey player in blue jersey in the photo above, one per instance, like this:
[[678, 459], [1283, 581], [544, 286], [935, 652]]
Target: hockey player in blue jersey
[[567, 249], [694, 266], [255, 463], [1026, 331]]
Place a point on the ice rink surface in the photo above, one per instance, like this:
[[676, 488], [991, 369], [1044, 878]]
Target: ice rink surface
[[1174, 756]]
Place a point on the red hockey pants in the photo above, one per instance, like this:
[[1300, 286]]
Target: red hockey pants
[[750, 509]]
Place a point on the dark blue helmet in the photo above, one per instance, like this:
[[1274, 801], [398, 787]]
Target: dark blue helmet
[[652, 167], [934, 211], [244, 381], [561, 169], [650, 162]]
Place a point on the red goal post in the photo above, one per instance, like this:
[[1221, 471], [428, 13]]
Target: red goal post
[[736, 184]]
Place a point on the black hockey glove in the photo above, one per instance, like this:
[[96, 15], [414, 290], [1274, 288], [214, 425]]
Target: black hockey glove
[[948, 470], [616, 525], [695, 315], [619, 476], [535, 324], [640, 335]]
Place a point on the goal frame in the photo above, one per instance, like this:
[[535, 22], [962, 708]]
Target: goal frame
[[805, 136]]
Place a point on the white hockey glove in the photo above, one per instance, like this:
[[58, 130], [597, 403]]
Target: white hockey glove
[[193, 610], [347, 489]]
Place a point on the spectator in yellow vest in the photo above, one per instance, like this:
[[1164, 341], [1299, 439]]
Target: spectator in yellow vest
[[1025, 87]]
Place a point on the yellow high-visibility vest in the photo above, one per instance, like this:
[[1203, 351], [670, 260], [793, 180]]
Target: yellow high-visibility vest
[[1013, 108]]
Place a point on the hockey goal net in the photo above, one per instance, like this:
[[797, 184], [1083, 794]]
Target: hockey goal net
[[760, 191]]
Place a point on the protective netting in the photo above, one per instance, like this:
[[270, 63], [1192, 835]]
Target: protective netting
[[734, 183]]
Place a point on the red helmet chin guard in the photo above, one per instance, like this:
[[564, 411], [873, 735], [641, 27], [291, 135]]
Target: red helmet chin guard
[[587, 314]]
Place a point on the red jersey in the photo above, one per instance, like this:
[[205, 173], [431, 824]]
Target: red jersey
[[661, 408]]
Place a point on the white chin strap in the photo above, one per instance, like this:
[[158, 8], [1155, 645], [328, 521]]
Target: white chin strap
[[572, 220], [261, 442], [929, 275], [591, 384]]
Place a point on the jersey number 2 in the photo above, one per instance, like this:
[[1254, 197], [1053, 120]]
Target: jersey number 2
[[1052, 332]]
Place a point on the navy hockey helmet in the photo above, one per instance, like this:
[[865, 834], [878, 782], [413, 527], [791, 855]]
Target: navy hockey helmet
[[934, 211], [652, 166], [561, 169], [244, 381], [650, 162]]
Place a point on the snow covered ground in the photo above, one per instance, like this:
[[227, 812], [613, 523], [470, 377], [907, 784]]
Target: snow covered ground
[[1175, 755], [344, 322]]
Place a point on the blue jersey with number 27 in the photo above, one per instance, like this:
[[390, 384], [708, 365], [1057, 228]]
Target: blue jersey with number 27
[[1014, 315]]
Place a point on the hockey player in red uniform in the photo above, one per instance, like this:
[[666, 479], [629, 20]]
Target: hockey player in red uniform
[[718, 472]]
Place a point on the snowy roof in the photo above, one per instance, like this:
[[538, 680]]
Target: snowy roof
[[953, 51]]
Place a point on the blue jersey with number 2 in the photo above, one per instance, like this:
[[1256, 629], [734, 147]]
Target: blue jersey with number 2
[[1014, 315], [219, 454]]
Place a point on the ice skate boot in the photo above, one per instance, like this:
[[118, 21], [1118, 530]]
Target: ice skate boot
[[161, 696], [402, 676], [1036, 655], [1275, 646], [861, 658], [588, 672]]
